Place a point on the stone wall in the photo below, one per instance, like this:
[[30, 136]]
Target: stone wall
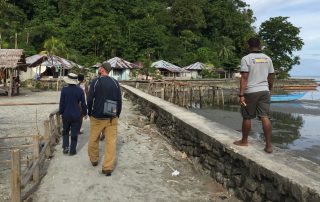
[[248, 172]]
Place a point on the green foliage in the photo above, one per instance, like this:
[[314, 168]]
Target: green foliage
[[147, 70], [281, 39], [179, 31], [208, 73], [55, 47]]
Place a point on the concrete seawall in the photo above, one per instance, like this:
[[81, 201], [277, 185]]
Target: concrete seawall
[[251, 173]]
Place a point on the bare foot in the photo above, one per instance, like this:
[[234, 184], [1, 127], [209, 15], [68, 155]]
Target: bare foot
[[268, 150], [240, 143]]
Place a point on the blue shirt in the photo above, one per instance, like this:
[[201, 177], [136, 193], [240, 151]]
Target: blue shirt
[[72, 97]]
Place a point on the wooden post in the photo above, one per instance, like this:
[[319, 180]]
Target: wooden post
[[36, 153], [222, 97], [200, 95], [47, 138], [162, 93], [218, 101], [213, 95], [15, 176], [58, 119], [190, 97], [11, 82], [184, 97]]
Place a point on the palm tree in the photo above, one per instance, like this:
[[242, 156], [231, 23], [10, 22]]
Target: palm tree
[[54, 46]]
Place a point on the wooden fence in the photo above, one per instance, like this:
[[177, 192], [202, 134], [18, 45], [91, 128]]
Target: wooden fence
[[189, 94], [23, 184]]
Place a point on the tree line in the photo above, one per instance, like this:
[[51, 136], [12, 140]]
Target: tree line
[[180, 31]]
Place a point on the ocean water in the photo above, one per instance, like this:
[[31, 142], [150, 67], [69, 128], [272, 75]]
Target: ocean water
[[296, 124]]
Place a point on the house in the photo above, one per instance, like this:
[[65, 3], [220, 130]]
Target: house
[[195, 69], [122, 69], [12, 61], [47, 65], [169, 70]]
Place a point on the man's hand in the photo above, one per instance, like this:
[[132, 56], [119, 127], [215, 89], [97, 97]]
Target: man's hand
[[242, 101]]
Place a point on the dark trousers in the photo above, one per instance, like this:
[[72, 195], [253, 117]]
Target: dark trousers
[[72, 125]]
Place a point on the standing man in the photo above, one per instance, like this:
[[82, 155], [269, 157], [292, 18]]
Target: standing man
[[71, 97], [257, 75], [104, 90]]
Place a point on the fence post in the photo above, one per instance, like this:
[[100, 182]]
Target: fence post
[[200, 96], [58, 119], [162, 93], [47, 138], [222, 96], [15, 176], [36, 153]]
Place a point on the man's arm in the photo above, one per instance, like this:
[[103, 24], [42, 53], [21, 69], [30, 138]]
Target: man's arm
[[243, 86], [83, 103], [243, 82], [90, 97], [119, 101], [62, 100], [270, 80]]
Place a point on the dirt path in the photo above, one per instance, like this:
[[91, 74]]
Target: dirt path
[[143, 172]]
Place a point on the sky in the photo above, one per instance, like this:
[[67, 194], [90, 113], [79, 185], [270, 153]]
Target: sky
[[302, 13]]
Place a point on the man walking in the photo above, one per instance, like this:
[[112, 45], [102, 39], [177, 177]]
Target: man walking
[[71, 97], [255, 85], [104, 108]]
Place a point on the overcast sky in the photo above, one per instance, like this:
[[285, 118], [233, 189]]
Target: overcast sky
[[302, 13]]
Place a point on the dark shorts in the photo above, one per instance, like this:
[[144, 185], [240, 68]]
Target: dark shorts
[[258, 104]]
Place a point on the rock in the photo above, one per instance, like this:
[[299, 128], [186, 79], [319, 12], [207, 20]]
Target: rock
[[219, 178], [231, 184], [290, 200], [237, 179], [298, 192], [262, 189], [146, 127], [256, 197], [271, 192], [219, 167], [250, 184]]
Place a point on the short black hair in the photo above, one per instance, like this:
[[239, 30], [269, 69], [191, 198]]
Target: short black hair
[[254, 42], [80, 77], [107, 66]]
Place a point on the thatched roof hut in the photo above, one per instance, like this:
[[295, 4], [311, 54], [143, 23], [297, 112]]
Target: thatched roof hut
[[12, 58]]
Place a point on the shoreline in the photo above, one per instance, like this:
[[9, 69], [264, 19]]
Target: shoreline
[[288, 126]]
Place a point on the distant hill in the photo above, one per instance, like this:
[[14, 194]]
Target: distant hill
[[307, 67]]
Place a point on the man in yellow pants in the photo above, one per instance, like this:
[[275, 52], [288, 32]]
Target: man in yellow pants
[[104, 108]]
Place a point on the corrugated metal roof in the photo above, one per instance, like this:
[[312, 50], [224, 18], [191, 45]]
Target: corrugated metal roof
[[196, 66], [119, 63], [12, 58], [50, 61], [161, 64]]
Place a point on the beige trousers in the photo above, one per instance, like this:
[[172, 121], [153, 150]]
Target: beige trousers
[[110, 132]]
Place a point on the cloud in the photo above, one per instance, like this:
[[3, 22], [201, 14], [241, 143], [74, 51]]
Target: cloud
[[301, 13]]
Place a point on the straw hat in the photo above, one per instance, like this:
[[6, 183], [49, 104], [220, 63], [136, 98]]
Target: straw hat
[[71, 79]]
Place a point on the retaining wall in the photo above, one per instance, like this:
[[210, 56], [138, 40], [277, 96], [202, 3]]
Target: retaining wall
[[248, 171]]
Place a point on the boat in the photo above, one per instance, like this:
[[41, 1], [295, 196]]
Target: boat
[[286, 97], [300, 87]]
